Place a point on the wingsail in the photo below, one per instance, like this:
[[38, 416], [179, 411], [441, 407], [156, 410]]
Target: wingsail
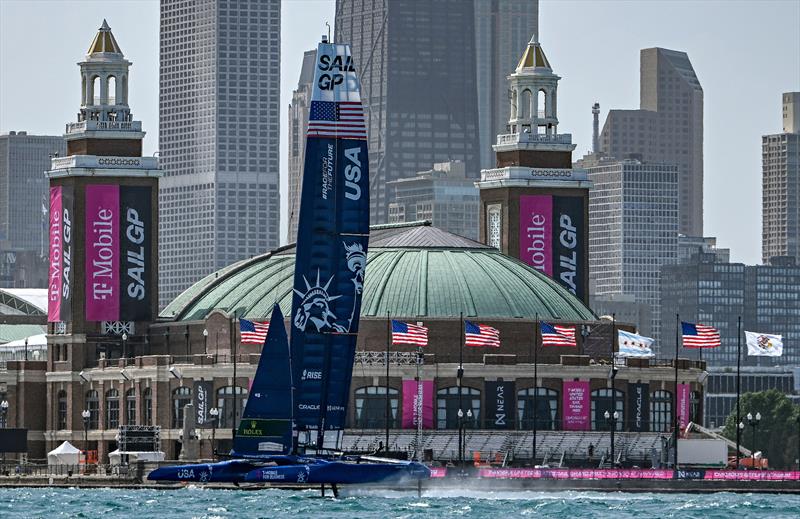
[[266, 424], [331, 246]]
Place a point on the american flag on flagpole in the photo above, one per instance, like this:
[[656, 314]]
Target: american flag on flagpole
[[404, 333], [555, 335], [253, 332], [481, 335], [337, 119], [700, 336]]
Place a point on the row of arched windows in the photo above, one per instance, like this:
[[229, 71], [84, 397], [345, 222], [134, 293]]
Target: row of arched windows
[[118, 406], [370, 408]]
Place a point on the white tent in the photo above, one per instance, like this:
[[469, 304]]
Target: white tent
[[115, 458], [64, 454]]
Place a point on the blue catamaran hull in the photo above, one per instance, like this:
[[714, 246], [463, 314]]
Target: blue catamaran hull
[[340, 473]]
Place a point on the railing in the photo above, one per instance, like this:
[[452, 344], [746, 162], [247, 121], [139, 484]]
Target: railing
[[398, 358], [514, 138], [92, 125]]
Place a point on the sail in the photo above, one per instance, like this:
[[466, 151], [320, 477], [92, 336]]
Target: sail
[[266, 424], [331, 244]]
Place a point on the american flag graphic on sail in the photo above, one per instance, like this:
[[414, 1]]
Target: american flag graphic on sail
[[337, 119]]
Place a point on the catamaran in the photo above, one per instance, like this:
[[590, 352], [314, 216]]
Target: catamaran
[[292, 425]]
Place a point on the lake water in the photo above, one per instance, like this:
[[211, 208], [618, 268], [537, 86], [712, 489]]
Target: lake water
[[190, 502]]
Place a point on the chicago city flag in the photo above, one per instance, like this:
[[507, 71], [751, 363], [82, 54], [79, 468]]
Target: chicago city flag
[[764, 344], [634, 345]]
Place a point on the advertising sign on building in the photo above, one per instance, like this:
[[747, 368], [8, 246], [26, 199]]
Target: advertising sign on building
[[417, 403], [500, 405], [118, 239], [61, 273], [639, 405], [203, 395], [684, 404], [576, 404], [552, 238]]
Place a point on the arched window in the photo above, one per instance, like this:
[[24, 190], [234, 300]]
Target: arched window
[[546, 408], [541, 104], [93, 406], [111, 89], [524, 108], [130, 407], [660, 411], [94, 91], [147, 406], [62, 410], [180, 397], [447, 405], [601, 402], [371, 407], [112, 409], [225, 401]]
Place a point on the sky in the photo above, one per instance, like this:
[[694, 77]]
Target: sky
[[745, 53]]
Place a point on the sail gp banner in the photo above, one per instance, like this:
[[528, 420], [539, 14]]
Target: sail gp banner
[[331, 255], [61, 274], [417, 404], [576, 405], [551, 238], [118, 240]]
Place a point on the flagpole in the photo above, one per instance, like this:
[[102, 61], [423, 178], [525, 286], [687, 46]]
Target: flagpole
[[388, 342], [613, 388], [459, 375], [234, 351], [535, 388], [675, 417], [738, 384]]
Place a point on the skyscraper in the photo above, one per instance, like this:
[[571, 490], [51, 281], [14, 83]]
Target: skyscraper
[[23, 207], [219, 122], [417, 68], [780, 156], [633, 230], [502, 27], [298, 122], [667, 128]]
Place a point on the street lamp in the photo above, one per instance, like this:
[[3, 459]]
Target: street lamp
[[214, 413], [125, 346], [85, 414], [460, 438], [753, 422], [205, 341], [739, 433], [612, 423]]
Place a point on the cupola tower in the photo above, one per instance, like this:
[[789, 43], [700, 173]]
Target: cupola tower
[[534, 204]]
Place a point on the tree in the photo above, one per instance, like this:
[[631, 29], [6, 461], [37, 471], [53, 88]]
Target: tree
[[777, 433]]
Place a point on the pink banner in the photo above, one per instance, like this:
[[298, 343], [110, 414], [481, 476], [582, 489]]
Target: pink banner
[[576, 405], [417, 401], [753, 475], [438, 472], [684, 405], [102, 253], [576, 473], [536, 232], [56, 251]]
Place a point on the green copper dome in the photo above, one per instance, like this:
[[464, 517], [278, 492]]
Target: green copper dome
[[413, 271]]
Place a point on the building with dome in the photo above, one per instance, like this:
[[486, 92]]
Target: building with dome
[[113, 361]]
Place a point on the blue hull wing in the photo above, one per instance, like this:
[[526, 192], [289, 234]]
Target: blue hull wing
[[339, 473], [232, 471]]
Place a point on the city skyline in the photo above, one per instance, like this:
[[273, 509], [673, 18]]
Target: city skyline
[[720, 42]]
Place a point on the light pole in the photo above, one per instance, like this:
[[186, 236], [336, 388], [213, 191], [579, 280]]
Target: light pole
[[612, 422], [26, 348], [205, 341], [460, 438], [739, 433], [3, 415], [798, 442], [124, 348], [85, 414], [214, 413], [753, 422]]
